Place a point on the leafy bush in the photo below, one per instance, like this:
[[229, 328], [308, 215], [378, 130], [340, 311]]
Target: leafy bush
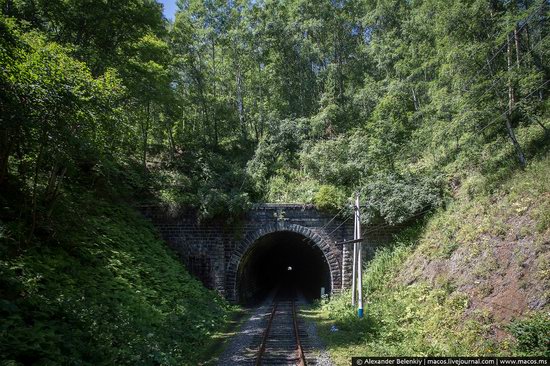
[[532, 334], [277, 151], [397, 198], [330, 162], [329, 198], [290, 187], [206, 181]]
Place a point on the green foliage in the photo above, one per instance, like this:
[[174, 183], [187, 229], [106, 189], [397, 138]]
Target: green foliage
[[532, 334], [103, 291], [389, 259], [331, 162], [61, 120], [291, 188], [238, 102], [214, 185], [412, 110], [85, 281], [277, 152], [398, 198], [381, 96], [329, 198], [100, 31]]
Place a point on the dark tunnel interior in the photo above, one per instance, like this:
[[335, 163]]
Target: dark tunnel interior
[[283, 261]]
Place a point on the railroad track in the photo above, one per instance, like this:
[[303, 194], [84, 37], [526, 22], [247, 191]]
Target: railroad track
[[281, 342]]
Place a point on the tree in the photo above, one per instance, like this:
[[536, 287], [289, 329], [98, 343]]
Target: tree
[[148, 79]]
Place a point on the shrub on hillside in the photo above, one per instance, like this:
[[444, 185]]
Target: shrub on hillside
[[329, 197], [397, 198], [532, 334]]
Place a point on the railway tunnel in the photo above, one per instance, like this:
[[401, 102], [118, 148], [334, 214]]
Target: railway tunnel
[[283, 261]]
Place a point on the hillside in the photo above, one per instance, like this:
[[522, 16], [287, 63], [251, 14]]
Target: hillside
[[97, 287], [470, 279]]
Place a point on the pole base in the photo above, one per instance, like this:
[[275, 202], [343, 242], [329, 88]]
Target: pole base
[[360, 313]]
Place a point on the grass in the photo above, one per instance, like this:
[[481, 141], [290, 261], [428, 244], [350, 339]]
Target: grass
[[409, 315]]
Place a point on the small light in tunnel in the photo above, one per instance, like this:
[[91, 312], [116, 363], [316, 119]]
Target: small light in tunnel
[[289, 268]]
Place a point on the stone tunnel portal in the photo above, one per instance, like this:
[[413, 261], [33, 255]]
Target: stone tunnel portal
[[283, 260]]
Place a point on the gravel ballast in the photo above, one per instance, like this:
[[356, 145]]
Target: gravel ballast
[[243, 347]]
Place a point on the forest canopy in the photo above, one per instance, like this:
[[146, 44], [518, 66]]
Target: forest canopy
[[247, 101]]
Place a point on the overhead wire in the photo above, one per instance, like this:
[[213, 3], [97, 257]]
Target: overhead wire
[[495, 81], [331, 220], [338, 227], [514, 107]]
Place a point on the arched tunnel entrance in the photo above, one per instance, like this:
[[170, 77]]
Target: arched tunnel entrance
[[286, 261]]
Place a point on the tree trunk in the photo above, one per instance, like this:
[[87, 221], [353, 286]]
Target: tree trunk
[[214, 71], [7, 7], [516, 41], [206, 126], [51, 182], [528, 38], [145, 133], [53, 194], [6, 145], [34, 200], [511, 106], [171, 144], [260, 126], [543, 33], [536, 120], [415, 100], [240, 102], [339, 73]]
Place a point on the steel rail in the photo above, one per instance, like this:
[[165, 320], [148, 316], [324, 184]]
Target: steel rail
[[300, 350], [266, 335]]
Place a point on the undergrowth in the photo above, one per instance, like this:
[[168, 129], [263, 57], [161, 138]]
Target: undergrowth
[[100, 289], [532, 334]]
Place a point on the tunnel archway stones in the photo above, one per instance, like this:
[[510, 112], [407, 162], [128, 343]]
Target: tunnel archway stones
[[211, 250], [315, 235]]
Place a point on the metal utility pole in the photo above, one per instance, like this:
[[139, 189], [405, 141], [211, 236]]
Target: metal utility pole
[[354, 265], [357, 265], [359, 257]]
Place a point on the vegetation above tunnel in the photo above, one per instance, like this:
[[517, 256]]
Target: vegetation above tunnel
[[293, 101]]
